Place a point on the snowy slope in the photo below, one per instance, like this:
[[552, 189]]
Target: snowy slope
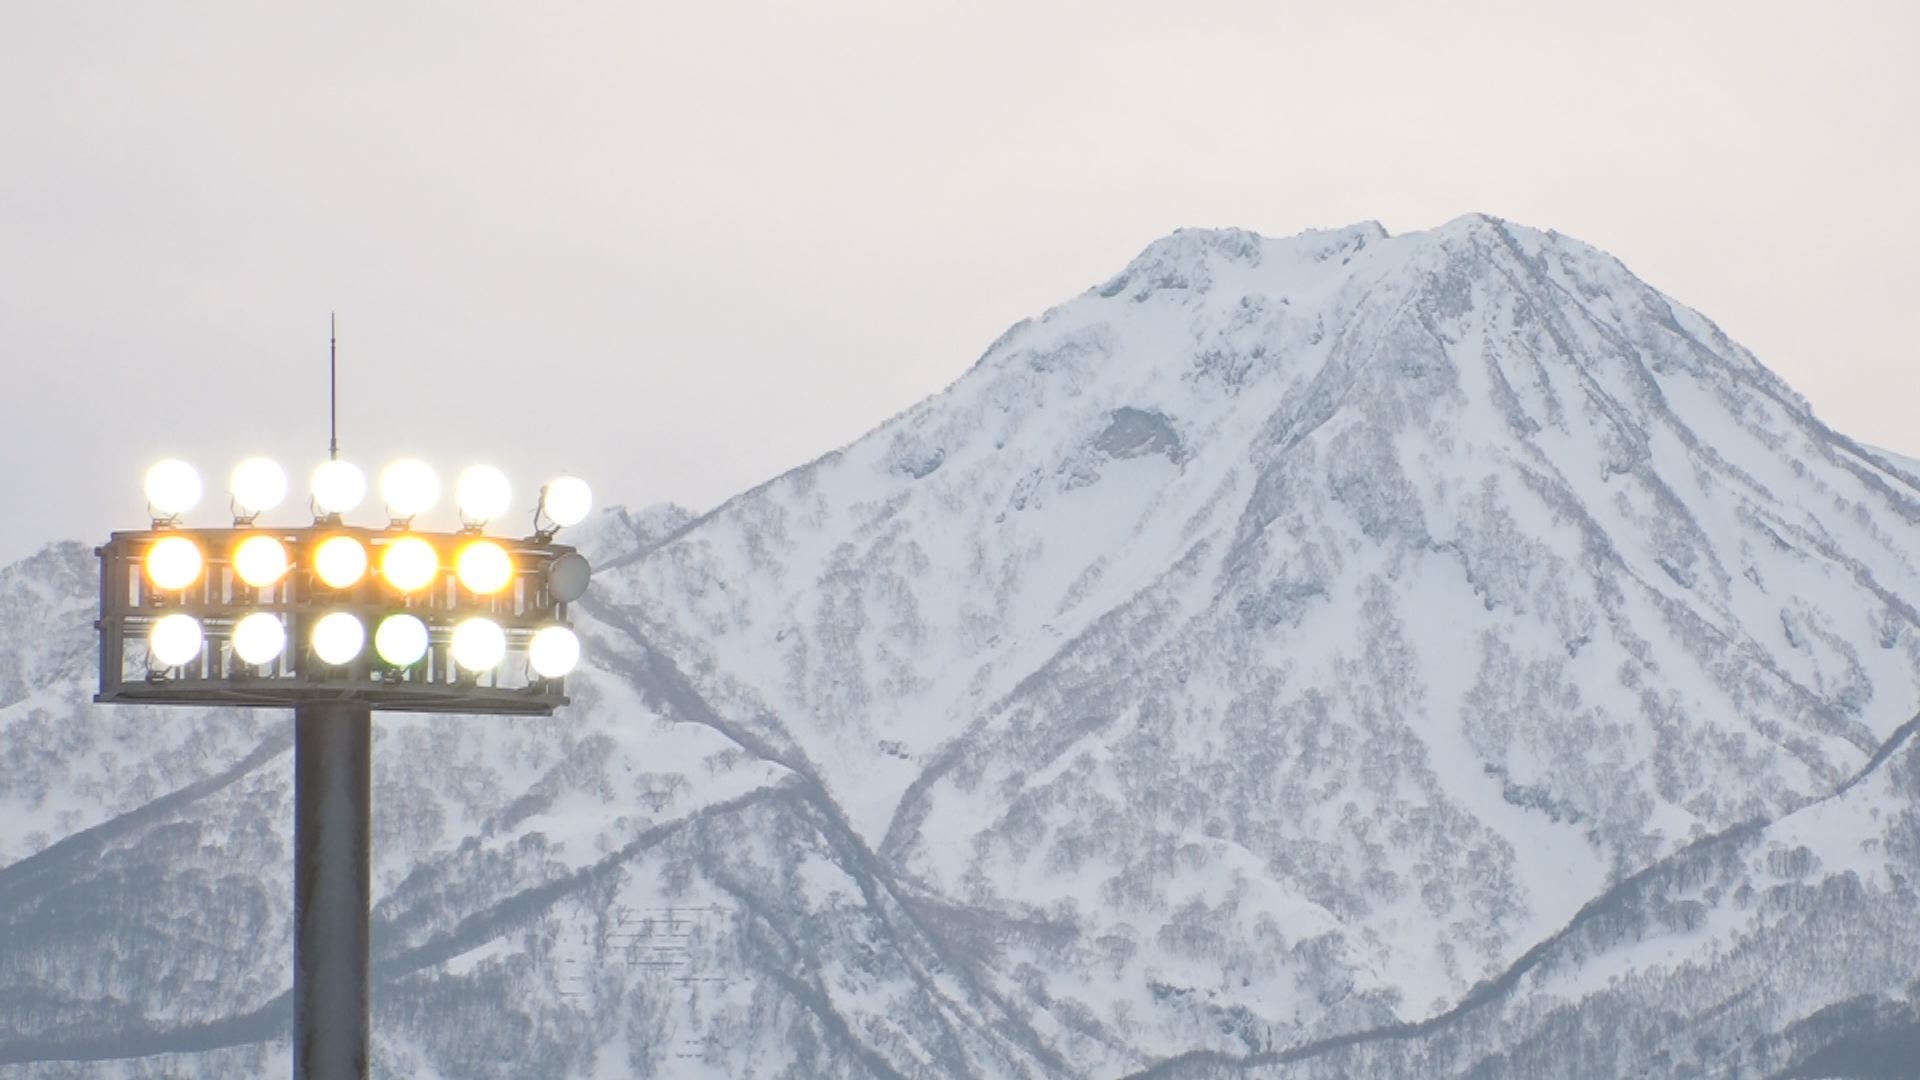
[[1419, 642], [1394, 595]]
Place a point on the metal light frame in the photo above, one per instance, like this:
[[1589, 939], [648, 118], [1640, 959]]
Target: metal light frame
[[130, 605]]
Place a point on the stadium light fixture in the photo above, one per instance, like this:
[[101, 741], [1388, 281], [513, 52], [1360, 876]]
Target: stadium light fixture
[[250, 614]]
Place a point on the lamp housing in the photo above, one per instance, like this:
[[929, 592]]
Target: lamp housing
[[272, 660]]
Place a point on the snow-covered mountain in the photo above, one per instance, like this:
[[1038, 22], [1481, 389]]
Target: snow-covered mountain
[[1338, 655]]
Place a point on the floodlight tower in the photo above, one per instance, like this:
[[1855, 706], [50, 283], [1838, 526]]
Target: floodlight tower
[[337, 620]]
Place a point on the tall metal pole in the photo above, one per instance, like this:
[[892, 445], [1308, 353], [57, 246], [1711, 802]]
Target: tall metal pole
[[332, 878]]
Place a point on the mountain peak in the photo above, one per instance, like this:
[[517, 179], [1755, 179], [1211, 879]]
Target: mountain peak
[[1190, 259]]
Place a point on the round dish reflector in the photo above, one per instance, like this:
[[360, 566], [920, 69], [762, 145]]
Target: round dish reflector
[[567, 577]]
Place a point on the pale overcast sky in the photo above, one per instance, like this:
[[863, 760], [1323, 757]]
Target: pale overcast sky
[[681, 248]]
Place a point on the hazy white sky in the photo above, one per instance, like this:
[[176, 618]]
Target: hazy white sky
[[681, 248]]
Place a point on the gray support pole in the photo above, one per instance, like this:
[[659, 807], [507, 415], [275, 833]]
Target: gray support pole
[[332, 799]]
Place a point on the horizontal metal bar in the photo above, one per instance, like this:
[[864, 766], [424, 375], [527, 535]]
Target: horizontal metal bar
[[395, 698]]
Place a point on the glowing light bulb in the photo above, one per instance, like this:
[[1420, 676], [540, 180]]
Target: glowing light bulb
[[172, 488], [409, 488], [173, 563], [553, 652], [260, 560], [409, 564], [484, 567], [257, 486], [174, 639], [338, 637], [478, 644], [259, 637], [483, 493], [338, 487], [340, 562], [566, 501], [401, 640]]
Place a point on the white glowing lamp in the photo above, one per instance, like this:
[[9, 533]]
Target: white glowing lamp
[[483, 493], [338, 637], [259, 637], [553, 652], [566, 501], [478, 644], [172, 488], [401, 640], [338, 487], [257, 485], [409, 488], [174, 639]]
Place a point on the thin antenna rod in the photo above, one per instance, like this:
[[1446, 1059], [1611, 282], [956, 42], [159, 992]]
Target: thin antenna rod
[[333, 390]]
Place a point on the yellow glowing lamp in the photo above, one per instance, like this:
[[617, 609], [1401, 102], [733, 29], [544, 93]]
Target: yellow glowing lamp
[[174, 563], [409, 564], [340, 562], [260, 560], [484, 567]]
